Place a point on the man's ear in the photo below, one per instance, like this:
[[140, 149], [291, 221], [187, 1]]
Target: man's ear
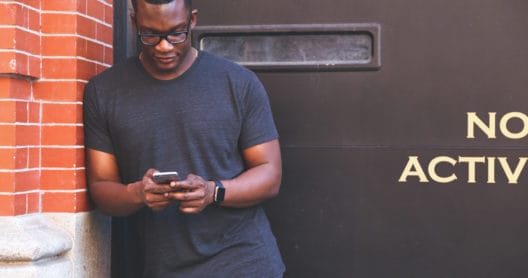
[[133, 19], [194, 18]]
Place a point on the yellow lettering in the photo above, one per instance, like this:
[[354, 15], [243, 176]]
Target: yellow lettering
[[491, 169], [504, 125], [471, 161], [413, 168], [489, 129], [513, 177], [432, 169]]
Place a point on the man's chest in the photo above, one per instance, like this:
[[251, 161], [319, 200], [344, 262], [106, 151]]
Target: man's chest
[[162, 118]]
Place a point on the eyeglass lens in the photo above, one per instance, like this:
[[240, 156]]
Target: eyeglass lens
[[153, 39]]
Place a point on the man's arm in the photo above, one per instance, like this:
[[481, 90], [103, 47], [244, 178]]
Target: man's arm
[[261, 180], [110, 195], [258, 183]]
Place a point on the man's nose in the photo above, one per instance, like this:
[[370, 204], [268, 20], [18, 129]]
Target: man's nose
[[164, 45]]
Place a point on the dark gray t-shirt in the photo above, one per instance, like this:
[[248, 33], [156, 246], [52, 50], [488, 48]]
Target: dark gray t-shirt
[[197, 123]]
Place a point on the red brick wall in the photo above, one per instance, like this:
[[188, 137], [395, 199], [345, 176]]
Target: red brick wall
[[48, 51]]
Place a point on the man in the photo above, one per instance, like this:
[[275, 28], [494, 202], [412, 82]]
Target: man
[[174, 108]]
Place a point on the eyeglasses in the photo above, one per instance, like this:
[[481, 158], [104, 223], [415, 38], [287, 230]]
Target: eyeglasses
[[173, 37]]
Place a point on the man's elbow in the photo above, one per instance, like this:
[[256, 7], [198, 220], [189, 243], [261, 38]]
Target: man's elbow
[[276, 184]]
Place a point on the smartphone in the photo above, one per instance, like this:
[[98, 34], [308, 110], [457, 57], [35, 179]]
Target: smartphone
[[165, 177]]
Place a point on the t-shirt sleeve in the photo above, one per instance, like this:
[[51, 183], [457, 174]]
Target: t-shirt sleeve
[[258, 125], [96, 132]]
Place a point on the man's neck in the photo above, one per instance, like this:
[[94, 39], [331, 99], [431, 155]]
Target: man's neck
[[189, 59]]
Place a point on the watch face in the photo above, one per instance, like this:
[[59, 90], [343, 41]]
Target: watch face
[[219, 192]]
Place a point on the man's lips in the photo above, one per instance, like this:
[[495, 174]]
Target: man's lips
[[165, 60]]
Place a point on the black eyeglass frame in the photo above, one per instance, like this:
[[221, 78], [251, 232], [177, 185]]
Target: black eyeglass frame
[[166, 35]]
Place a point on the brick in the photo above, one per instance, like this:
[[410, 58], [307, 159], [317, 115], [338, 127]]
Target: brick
[[108, 55], [82, 6], [34, 158], [92, 51], [82, 47], [28, 42], [7, 182], [62, 135], [59, 23], [64, 201], [59, 91], [22, 111], [109, 15], [59, 5], [61, 113], [7, 158], [7, 135], [34, 67], [34, 112], [68, 69], [86, 70], [33, 202], [14, 88], [27, 180], [22, 64], [59, 46], [21, 158], [22, 16], [8, 14], [27, 135], [7, 111], [20, 89], [8, 37], [59, 68], [14, 63], [5, 87], [104, 33], [20, 204], [95, 9], [8, 62], [100, 68], [7, 207], [63, 179], [82, 202], [62, 157], [33, 3], [34, 20], [86, 27]]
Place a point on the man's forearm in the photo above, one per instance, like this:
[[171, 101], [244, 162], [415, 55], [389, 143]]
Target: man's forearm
[[114, 198], [253, 186]]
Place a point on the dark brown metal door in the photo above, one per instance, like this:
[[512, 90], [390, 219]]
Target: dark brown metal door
[[358, 141]]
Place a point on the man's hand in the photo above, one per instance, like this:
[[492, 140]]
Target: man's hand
[[150, 193], [194, 193]]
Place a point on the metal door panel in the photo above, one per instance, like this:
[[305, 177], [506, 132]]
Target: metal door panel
[[340, 213], [346, 137]]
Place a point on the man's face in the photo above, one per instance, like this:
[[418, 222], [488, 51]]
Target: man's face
[[165, 60]]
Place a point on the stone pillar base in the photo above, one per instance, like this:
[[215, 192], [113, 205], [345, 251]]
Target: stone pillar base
[[55, 245]]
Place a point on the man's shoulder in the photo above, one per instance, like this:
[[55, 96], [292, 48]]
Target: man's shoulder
[[117, 72], [223, 66], [223, 63]]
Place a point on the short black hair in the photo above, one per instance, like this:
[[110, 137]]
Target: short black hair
[[188, 3]]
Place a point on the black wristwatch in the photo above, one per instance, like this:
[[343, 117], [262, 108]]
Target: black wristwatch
[[219, 192]]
